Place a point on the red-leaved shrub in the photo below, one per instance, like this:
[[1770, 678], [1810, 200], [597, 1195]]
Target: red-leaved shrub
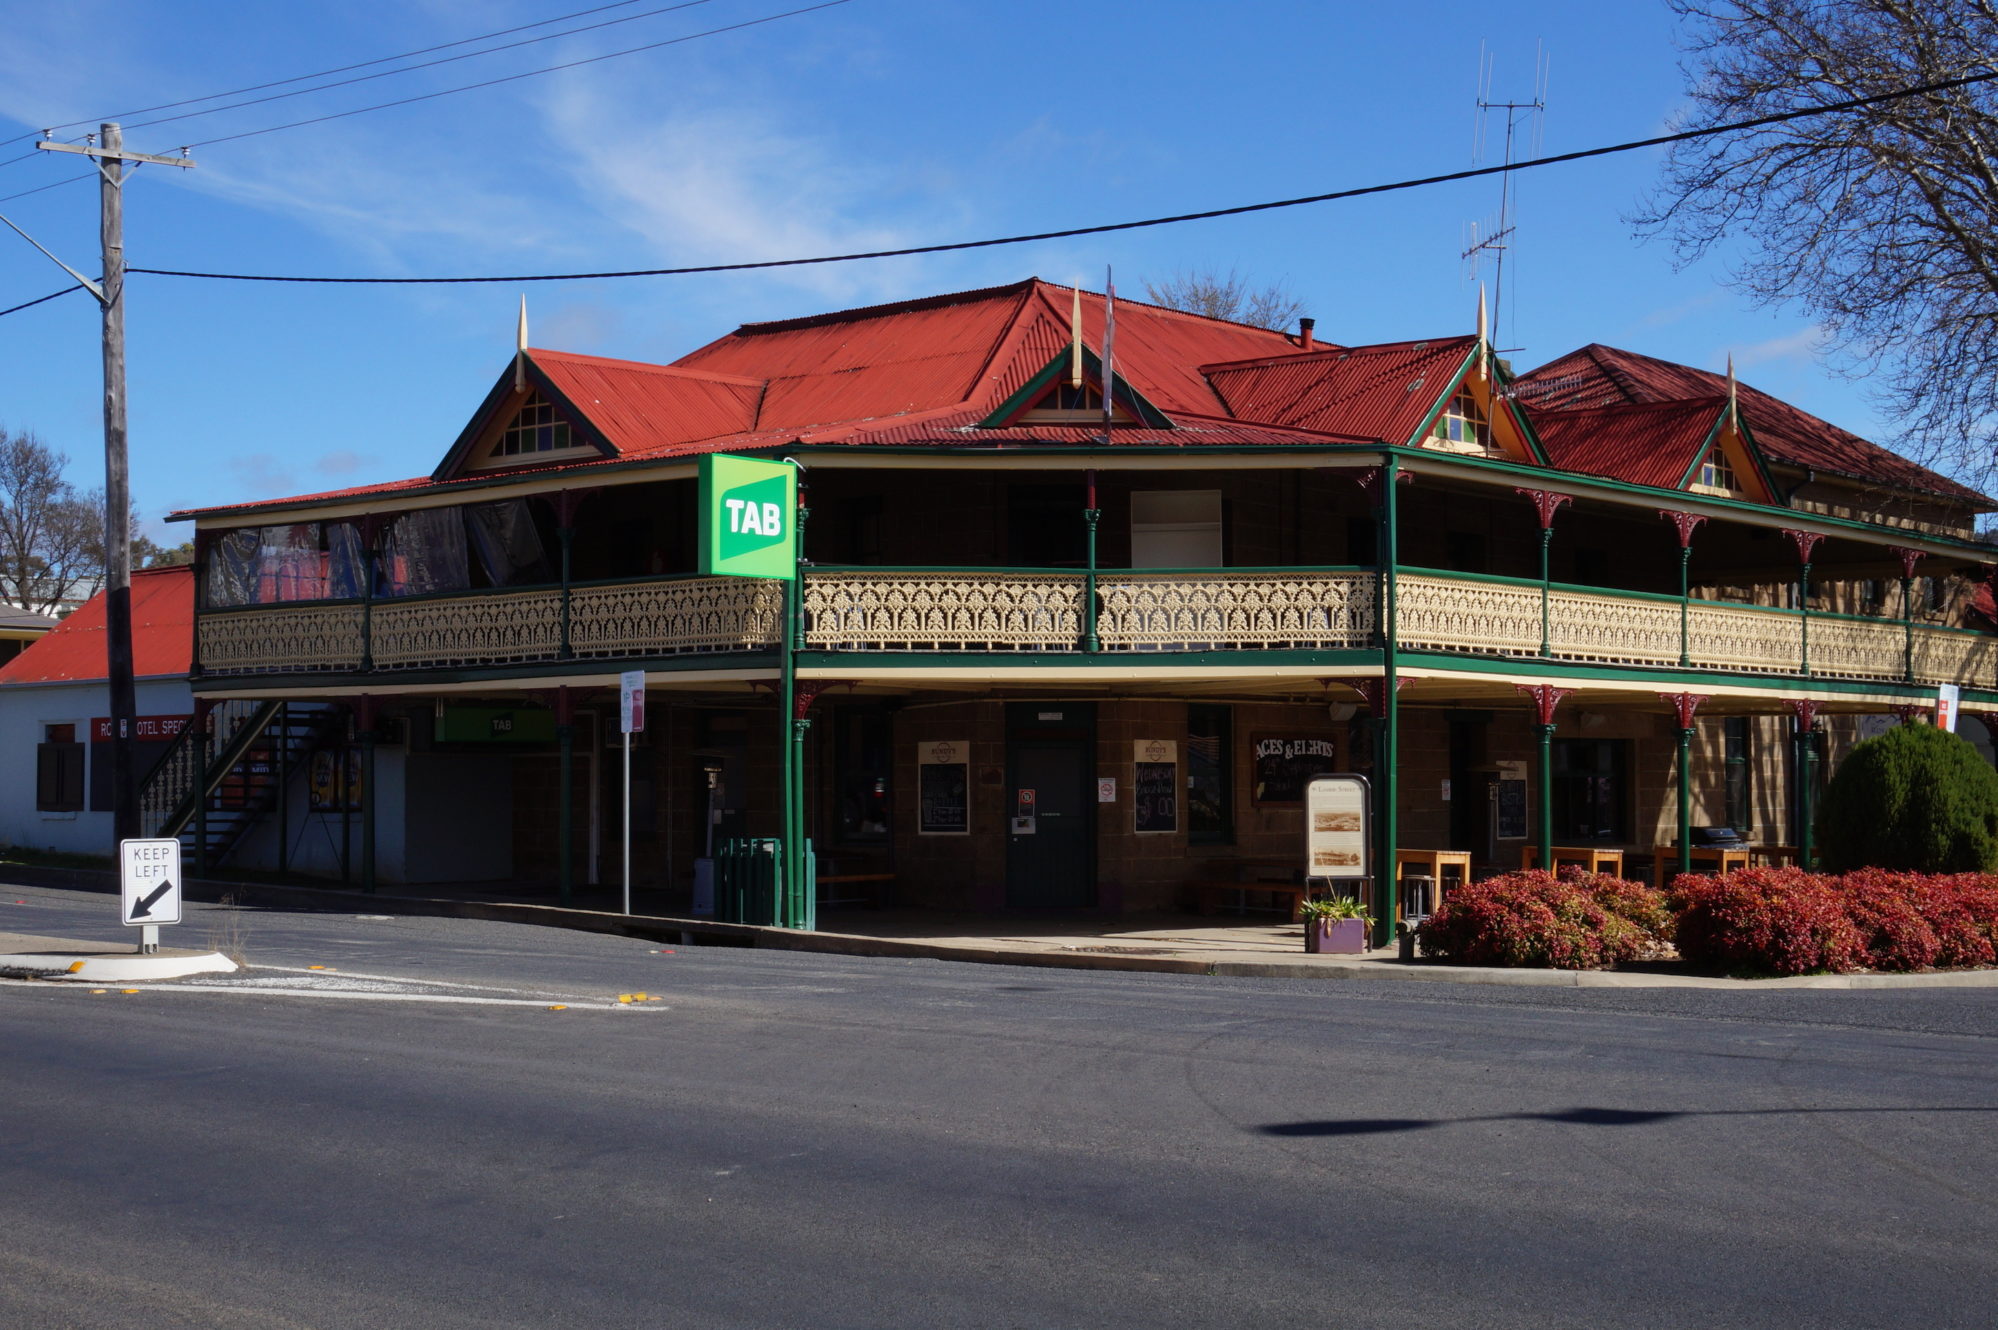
[[1961, 909], [1578, 921], [1775, 920], [1892, 929]]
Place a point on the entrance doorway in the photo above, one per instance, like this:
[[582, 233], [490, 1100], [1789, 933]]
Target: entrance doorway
[[1051, 818]]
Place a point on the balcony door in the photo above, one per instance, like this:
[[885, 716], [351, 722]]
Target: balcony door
[[1176, 529]]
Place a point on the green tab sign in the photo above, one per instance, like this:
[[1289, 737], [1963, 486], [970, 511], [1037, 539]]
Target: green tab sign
[[749, 514]]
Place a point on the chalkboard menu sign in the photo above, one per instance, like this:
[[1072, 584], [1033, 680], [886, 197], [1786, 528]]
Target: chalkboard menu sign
[[943, 786], [1285, 765], [1155, 785]]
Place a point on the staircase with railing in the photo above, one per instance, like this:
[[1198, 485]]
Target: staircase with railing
[[217, 781]]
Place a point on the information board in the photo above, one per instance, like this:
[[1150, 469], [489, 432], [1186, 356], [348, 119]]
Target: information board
[[1285, 764], [1155, 785], [943, 787], [1336, 826], [1509, 818]]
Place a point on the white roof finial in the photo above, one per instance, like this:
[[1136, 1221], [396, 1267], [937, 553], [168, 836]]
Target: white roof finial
[[520, 350], [1733, 398], [1484, 340]]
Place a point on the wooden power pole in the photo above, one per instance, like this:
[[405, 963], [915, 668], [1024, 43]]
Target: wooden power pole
[[111, 157]]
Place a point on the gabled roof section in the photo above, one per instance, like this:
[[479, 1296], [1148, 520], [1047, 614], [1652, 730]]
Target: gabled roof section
[[1134, 405], [616, 407], [1598, 375], [1386, 392], [1644, 443], [75, 651]]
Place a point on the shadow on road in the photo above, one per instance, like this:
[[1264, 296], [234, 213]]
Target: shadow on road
[[1585, 1117]]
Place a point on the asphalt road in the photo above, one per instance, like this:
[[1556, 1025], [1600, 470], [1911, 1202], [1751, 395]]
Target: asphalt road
[[798, 1140]]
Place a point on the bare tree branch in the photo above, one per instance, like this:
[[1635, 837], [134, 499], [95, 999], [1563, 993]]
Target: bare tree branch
[[1229, 297]]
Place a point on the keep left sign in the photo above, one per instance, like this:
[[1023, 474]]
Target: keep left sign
[[149, 882]]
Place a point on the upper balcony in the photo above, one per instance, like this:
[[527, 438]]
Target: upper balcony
[[938, 613]]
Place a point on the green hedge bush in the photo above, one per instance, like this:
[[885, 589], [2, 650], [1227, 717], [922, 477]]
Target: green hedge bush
[[1916, 799]]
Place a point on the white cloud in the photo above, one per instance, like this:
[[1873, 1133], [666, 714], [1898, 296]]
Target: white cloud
[[1797, 347]]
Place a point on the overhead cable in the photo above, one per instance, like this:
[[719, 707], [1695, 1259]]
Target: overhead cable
[[1732, 127]]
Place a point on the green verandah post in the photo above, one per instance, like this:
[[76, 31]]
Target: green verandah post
[[1807, 724], [1545, 697], [1387, 890], [1805, 541], [1684, 523], [1545, 503], [1685, 704], [1909, 558]]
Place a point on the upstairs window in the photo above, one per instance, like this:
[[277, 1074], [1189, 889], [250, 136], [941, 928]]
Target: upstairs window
[[1716, 473], [535, 429], [1462, 427], [1066, 405]]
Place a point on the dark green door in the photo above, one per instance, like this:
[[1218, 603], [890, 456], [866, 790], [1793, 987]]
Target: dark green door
[[1050, 828]]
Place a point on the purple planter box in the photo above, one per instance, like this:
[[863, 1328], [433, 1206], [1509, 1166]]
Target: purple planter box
[[1335, 936]]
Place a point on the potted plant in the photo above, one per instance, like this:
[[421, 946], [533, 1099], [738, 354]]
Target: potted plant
[[1336, 925]]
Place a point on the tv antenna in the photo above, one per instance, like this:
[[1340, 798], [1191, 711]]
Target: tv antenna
[[1522, 123]]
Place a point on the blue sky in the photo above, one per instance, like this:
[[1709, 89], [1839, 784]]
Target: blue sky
[[874, 124]]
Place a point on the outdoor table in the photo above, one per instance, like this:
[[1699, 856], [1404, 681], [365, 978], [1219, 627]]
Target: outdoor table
[[1718, 859], [1435, 861], [1594, 858], [1774, 856]]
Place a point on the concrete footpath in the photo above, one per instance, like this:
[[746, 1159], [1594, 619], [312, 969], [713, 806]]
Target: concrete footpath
[[1174, 944]]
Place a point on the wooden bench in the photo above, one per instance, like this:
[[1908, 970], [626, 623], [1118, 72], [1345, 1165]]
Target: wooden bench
[[1212, 897]]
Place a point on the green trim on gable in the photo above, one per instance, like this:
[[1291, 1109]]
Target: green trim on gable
[[454, 460], [1121, 391]]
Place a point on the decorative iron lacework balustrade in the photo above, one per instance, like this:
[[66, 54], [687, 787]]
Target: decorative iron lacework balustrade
[[1235, 611], [1854, 649], [1612, 629], [957, 611], [496, 627], [1451, 614], [288, 639], [1945, 657], [678, 617], [1745, 639]]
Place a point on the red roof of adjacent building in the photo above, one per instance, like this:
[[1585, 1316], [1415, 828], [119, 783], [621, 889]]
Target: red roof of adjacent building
[[1378, 392], [1643, 443], [1599, 375], [162, 635]]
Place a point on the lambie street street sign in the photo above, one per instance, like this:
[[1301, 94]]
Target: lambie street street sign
[[149, 882], [749, 517]]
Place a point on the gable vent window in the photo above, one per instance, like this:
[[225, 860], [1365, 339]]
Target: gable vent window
[[1462, 426], [535, 429], [1715, 473]]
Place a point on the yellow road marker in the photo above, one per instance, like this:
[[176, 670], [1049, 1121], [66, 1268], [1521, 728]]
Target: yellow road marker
[[74, 966], [128, 990], [100, 990], [624, 997], [558, 1007]]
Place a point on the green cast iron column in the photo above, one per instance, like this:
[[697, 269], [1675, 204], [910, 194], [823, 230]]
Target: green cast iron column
[[1807, 770], [1545, 828], [1685, 604], [1804, 623], [202, 712], [566, 536], [1908, 628], [368, 795], [565, 735], [1686, 799], [1546, 540], [1091, 515], [284, 788], [1387, 894]]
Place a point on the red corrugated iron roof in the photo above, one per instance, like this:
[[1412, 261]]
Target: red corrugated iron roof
[[1598, 375], [639, 407], [1643, 443], [162, 635], [1378, 392]]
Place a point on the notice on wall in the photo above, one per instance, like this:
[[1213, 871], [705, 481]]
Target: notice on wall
[[1336, 823], [1155, 785], [1509, 817], [943, 782], [1284, 765]]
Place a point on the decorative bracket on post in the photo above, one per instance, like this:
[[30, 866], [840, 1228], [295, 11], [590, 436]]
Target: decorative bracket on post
[[1684, 704], [1909, 558], [1683, 523], [1545, 697], [1905, 712], [1805, 541], [1807, 713], [1373, 688], [1546, 503], [804, 694], [1369, 480]]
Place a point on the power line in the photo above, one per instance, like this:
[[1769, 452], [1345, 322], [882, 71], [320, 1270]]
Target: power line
[[41, 300], [324, 73], [1473, 173], [410, 69], [528, 74]]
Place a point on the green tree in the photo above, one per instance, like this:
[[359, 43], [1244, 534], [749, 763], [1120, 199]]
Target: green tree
[[1917, 799]]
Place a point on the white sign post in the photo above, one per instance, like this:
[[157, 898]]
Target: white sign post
[[631, 720], [149, 887], [1948, 696]]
